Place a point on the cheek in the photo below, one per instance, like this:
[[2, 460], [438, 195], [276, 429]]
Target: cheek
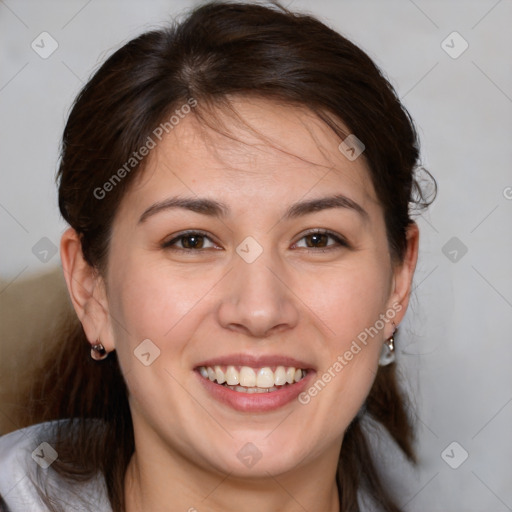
[[153, 300], [350, 299], [167, 306], [149, 303], [350, 303]]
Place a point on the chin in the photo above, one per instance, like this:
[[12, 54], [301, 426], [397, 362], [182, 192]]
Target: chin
[[247, 459]]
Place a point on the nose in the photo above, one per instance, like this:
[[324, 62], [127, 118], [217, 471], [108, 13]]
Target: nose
[[256, 299]]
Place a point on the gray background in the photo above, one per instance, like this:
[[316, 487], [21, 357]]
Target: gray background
[[455, 344]]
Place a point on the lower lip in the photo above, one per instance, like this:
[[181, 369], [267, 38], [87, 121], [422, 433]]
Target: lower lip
[[256, 402]]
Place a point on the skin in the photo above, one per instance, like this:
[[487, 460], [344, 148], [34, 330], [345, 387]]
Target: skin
[[305, 302]]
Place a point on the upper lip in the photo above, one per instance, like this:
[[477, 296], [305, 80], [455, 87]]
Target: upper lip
[[254, 361]]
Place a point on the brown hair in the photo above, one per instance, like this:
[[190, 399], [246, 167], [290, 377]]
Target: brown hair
[[220, 49]]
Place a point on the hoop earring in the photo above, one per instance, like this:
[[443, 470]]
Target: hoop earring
[[387, 356], [98, 352]]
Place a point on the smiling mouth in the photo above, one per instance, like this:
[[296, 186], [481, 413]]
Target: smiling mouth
[[245, 379]]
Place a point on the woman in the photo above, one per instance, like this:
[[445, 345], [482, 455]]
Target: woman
[[240, 254]]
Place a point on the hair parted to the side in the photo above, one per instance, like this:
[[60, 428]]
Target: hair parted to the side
[[219, 50]]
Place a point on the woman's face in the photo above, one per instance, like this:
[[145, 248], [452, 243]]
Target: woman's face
[[233, 259]]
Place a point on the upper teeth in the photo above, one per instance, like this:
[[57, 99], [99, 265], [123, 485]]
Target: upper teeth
[[252, 377]]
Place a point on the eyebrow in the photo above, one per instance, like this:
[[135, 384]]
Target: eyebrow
[[325, 203], [214, 208]]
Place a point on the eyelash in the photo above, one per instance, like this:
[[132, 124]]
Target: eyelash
[[340, 241]]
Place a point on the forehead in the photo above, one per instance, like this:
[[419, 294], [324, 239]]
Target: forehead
[[256, 148]]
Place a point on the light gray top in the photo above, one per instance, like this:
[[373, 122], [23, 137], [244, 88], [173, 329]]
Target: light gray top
[[25, 464]]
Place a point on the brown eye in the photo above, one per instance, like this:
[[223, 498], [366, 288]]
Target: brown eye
[[320, 240], [192, 241], [317, 240]]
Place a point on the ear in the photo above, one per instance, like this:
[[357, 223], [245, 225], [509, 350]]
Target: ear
[[87, 291], [402, 275]]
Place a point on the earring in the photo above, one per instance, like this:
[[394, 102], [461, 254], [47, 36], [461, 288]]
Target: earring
[[387, 355], [98, 352]]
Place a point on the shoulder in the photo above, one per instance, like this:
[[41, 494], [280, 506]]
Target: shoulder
[[26, 457]]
